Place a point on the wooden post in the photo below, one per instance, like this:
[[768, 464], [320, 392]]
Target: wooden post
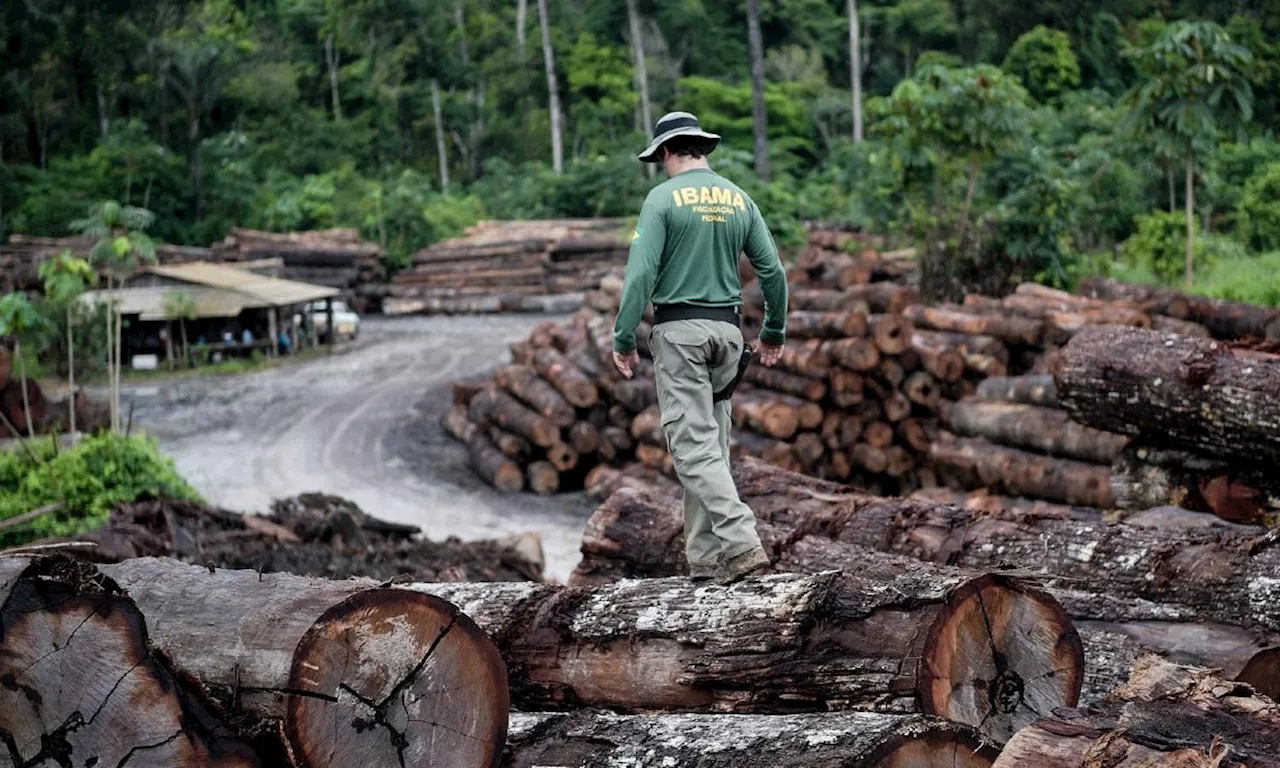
[[273, 330], [332, 330]]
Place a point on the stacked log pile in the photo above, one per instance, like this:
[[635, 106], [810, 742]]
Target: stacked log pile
[[507, 265], [308, 535], [21, 256], [1201, 593], [337, 258]]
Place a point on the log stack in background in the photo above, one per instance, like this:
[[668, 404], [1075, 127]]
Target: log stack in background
[[502, 266], [336, 258]]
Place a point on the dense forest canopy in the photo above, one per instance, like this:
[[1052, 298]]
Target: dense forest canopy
[[1042, 136]]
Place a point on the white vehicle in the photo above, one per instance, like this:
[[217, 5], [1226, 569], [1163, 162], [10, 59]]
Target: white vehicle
[[344, 319]]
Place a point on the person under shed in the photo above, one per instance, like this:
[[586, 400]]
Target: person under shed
[[684, 258]]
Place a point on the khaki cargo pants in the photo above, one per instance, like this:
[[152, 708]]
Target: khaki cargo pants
[[692, 360]]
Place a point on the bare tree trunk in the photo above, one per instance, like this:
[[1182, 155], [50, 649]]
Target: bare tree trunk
[[197, 157], [168, 343], [522, 18], [333, 58], [553, 90], [104, 124], [119, 359], [760, 117], [441, 148], [186, 348], [642, 72], [71, 374], [855, 68], [22, 375], [461, 22], [1191, 221], [1173, 194], [974, 168]]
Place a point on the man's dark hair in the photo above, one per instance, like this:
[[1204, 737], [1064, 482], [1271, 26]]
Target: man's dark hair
[[690, 146]]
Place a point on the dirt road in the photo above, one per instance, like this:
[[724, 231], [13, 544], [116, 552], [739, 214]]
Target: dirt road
[[363, 425]]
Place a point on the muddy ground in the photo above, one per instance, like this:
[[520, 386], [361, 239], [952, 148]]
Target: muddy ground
[[363, 424]]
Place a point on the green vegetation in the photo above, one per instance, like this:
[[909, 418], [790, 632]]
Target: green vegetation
[[86, 482], [1006, 140]]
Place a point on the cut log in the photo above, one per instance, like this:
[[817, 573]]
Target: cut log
[[848, 740], [1030, 390], [896, 407], [768, 415], [976, 463], [85, 685], [781, 381], [855, 354], [869, 458], [892, 333], [494, 406], [1146, 476], [890, 371], [584, 437], [1167, 715], [1193, 393], [826, 325], [984, 366], [891, 635], [654, 457], [917, 434], [525, 383], [488, 461], [544, 480], [512, 446], [562, 456], [1019, 331], [809, 449], [339, 667], [808, 358], [965, 344], [1046, 430], [576, 387], [898, 461], [922, 389], [1224, 319], [939, 359], [883, 296]]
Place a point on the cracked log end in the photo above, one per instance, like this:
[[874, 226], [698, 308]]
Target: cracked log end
[[999, 656], [397, 678], [80, 684], [1263, 673]]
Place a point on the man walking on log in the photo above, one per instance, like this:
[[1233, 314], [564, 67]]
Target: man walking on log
[[684, 258]]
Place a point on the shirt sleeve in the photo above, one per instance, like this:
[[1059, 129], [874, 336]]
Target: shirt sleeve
[[643, 262], [763, 254]]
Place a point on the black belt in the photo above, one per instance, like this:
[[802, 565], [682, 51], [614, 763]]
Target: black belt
[[667, 313]]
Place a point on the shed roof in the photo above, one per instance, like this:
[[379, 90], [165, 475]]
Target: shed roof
[[151, 302], [259, 290]]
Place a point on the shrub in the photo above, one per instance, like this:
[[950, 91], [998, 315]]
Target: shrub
[[88, 481], [1257, 214], [1160, 245], [1250, 279], [1044, 61]]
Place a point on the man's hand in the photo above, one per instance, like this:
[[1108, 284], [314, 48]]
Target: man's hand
[[769, 354], [626, 363]]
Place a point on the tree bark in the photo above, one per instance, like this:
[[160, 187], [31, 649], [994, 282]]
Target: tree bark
[[1145, 476], [1224, 319], [1046, 430], [71, 374], [975, 463], [493, 406], [1192, 393], [522, 17], [442, 150], [544, 480], [890, 635], [22, 376], [523, 382], [1167, 715], [355, 657], [85, 683], [1016, 331], [781, 381], [553, 91], [759, 114], [855, 69], [491, 464], [576, 387], [826, 325], [849, 739], [940, 360]]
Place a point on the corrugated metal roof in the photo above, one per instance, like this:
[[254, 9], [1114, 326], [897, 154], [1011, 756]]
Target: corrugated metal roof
[[259, 290], [151, 302]]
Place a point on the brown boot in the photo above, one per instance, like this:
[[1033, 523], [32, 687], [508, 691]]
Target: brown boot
[[702, 572], [740, 566]]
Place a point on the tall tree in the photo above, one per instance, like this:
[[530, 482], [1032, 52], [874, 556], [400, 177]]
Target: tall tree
[[759, 115], [442, 149], [65, 277], [17, 318], [642, 72], [1195, 88], [855, 68], [522, 20], [553, 91]]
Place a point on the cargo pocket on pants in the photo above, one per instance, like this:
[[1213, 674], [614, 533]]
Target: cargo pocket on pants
[[670, 416]]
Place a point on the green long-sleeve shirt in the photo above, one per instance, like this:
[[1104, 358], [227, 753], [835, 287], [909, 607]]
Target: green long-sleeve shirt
[[685, 251]]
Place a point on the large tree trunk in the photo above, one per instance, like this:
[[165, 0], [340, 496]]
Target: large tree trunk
[[442, 150], [855, 69], [1171, 716], [849, 740], [553, 90], [894, 635], [352, 674], [759, 114], [85, 685], [1218, 573], [1046, 430], [1146, 476], [1192, 393], [1224, 319]]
